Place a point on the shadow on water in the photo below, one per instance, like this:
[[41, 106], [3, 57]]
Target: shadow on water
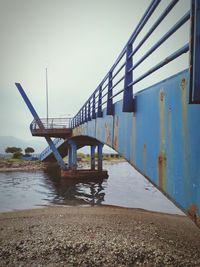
[[73, 191]]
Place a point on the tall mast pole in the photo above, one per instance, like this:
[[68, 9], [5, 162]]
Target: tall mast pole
[[47, 104]]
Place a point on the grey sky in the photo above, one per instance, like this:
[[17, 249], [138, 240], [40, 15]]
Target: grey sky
[[78, 40]]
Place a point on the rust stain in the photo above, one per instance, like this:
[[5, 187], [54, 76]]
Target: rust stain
[[144, 153], [162, 164], [185, 135], [133, 139], [184, 107], [116, 132], [170, 181], [162, 159], [108, 135], [193, 214], [76, 131]]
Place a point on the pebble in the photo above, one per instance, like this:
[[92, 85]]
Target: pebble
[[91, 237]]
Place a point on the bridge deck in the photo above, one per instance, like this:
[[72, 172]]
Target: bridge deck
[[54, 132], [51, 127]]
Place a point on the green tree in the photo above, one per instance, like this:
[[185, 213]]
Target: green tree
[[29, 150], [17, 155], [16, 151]]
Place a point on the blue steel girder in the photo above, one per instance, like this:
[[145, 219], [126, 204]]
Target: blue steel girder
[[195, 52], [161, 139], [36, 117]]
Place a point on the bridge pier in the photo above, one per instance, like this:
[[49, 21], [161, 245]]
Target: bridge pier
[[100, 157], [72, 156], [73, 172], [92, 155]]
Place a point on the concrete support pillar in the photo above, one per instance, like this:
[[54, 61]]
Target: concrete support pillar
[[72, 157], [93, 157], [100, 157]]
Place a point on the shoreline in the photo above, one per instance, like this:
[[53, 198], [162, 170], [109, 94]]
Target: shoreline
[[39, 165], [7, 165], [27, 168], [91, 206], [97, 236]]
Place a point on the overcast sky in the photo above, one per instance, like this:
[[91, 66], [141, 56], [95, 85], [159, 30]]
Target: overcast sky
[[78, 40]]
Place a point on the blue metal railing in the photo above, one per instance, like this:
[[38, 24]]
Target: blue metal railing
[[122, 69]]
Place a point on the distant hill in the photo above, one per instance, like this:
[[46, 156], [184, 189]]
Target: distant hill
[[6, 141]]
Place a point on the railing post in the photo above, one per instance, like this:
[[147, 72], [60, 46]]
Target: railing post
[[110, 93], [82, 119], [86, 113], [79, 118], [93, 108], [128, 103], [89, 114], [195, 52], [83, 114], [99, 112]]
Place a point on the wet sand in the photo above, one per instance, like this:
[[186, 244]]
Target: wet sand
[[97, 236]]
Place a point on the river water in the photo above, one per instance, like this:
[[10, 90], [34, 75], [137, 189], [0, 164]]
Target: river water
[[124, 187]]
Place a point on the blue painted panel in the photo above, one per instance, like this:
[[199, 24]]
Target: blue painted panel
[[161, 139]]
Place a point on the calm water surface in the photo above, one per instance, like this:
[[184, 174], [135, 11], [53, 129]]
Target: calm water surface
[[124, 187]]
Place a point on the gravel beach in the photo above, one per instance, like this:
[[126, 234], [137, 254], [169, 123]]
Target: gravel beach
[[97, 236]]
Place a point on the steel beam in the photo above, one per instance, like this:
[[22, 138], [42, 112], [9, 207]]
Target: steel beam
[[36, 117]]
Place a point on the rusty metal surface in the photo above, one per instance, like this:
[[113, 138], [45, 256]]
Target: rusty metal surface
[[52, 132], [161, 139]]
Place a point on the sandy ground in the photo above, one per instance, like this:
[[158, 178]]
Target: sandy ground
[[97, 236]]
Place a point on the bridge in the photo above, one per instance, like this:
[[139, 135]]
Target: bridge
[[156, 129]]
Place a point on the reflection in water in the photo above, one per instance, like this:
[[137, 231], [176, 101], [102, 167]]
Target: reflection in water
[[124, 187], [75, 191]]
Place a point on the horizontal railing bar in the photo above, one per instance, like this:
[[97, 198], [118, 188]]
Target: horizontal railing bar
[[144, 20], [121, 79], [132, 36], [173, 56], [107, 91], [119, 58], [104, 79], [155, 25], [103, 88], [119, 92], [163, 39], [123, 65], [103, 103], [153, 3], [104, 95], [148, 12]]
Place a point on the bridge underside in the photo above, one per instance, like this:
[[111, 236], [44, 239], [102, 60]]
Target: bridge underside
[[161, 139]]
